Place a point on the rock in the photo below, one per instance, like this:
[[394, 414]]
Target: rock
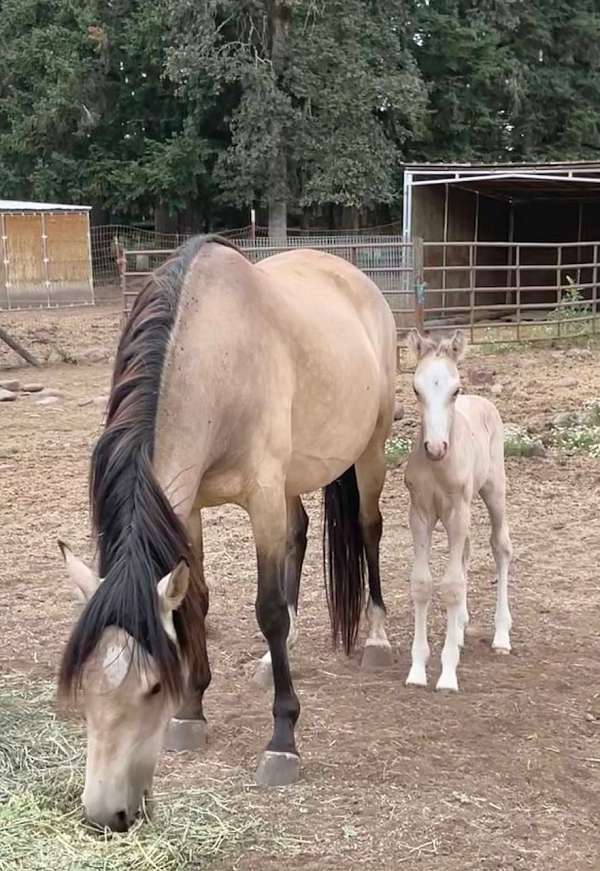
[[83, 402], [538, 449], [481, 376], [51, 391], [13, 386], [579, 353], [47, 400], [100, 402], [95, 354], [566, 419], [7, 395], [569, 382], [497, 389], [398, 411], [32, 388]]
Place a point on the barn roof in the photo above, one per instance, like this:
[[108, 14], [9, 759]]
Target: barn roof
[[23, 206]]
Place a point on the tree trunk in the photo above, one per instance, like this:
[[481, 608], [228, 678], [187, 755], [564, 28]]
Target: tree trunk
[[278, 199], [164, 222], [278, 187]]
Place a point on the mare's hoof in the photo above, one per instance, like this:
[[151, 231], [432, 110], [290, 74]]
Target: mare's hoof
[[449, 684], [186, 735], [376, 656], [263, 676], [503, 651], [278, 769]]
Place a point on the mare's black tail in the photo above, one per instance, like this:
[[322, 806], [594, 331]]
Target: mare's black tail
[[343, 557]]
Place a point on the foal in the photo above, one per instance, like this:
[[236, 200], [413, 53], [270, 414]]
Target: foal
[[460, 453]]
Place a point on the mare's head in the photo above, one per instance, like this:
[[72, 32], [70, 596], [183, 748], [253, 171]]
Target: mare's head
[[128, 694], [437, 384]]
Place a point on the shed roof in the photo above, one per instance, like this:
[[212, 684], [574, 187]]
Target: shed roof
[[576, 166], [22, 206]]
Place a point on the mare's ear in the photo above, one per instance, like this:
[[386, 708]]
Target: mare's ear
[[173, 587], [418, 344], [457, 346], [85, 581]]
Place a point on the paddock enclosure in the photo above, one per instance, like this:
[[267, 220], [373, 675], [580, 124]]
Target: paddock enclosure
[[504, 776]]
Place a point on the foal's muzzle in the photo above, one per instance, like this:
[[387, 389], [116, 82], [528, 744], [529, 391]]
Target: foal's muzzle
[[436, 450]]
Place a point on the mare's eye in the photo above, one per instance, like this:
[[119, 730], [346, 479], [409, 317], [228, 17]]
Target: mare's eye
[[416, 391], [456, 392], [155, 690]]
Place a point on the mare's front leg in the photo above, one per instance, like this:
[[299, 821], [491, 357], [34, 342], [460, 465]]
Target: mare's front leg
[[280, 763], [297, 526], [421, 527], [454, 591], [188, 729]]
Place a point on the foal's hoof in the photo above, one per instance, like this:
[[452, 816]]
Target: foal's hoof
[[376, 656], [503, 651], [263, 676], [278, 769], [186, 735]]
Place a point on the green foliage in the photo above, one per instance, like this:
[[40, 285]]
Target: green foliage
[[397, 449], [510, 80], [196, 107]]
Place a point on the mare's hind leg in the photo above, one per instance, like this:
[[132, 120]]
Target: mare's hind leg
[[370, 477], [280, 763], [297, 527], [188, 729], [493, 494]]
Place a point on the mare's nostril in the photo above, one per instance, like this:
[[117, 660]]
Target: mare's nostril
[[121, 821]]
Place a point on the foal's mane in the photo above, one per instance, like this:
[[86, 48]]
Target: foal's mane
[[140, 538]]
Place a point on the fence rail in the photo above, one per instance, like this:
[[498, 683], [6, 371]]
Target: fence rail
[[495, 292]]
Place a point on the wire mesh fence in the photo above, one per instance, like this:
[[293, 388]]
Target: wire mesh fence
[[386, 260]]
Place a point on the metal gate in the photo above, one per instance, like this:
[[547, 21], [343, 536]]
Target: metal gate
[[387, 260]]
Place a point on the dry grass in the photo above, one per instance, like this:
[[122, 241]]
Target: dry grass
[[42, 761]]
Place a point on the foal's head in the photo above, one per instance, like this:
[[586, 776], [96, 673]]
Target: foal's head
[[127, 704], [437, 384]]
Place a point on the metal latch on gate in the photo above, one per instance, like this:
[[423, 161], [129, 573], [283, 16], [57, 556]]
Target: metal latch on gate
[[420, 289]]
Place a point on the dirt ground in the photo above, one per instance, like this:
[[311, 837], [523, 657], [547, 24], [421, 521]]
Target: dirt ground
[[503, 775]]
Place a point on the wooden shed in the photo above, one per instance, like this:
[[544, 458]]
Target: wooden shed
[[45, 255]]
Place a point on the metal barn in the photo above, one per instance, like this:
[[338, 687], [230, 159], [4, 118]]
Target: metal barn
[[45, 255], [505, 242]]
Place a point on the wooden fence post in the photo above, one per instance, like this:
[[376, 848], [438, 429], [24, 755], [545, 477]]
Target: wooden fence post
[[420, 286]]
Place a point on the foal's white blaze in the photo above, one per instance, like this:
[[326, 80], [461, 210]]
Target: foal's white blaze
[[436, 386]]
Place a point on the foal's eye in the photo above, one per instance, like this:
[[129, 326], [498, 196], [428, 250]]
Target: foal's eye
[[155, 690], [456, 392], [416, 391]]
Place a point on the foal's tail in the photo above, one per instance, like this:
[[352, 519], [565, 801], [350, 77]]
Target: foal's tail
[[343, 557]]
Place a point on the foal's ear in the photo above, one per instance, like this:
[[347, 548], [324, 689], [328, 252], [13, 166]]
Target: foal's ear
[[457, 345], [418, 344], [173, 587], [85, 581]]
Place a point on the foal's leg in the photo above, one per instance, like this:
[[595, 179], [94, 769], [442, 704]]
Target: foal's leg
[[280, 763], [463, 619], [297, 527], [421, 527], [188, 729], [493, 494], [370, 477], [454, 590]]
